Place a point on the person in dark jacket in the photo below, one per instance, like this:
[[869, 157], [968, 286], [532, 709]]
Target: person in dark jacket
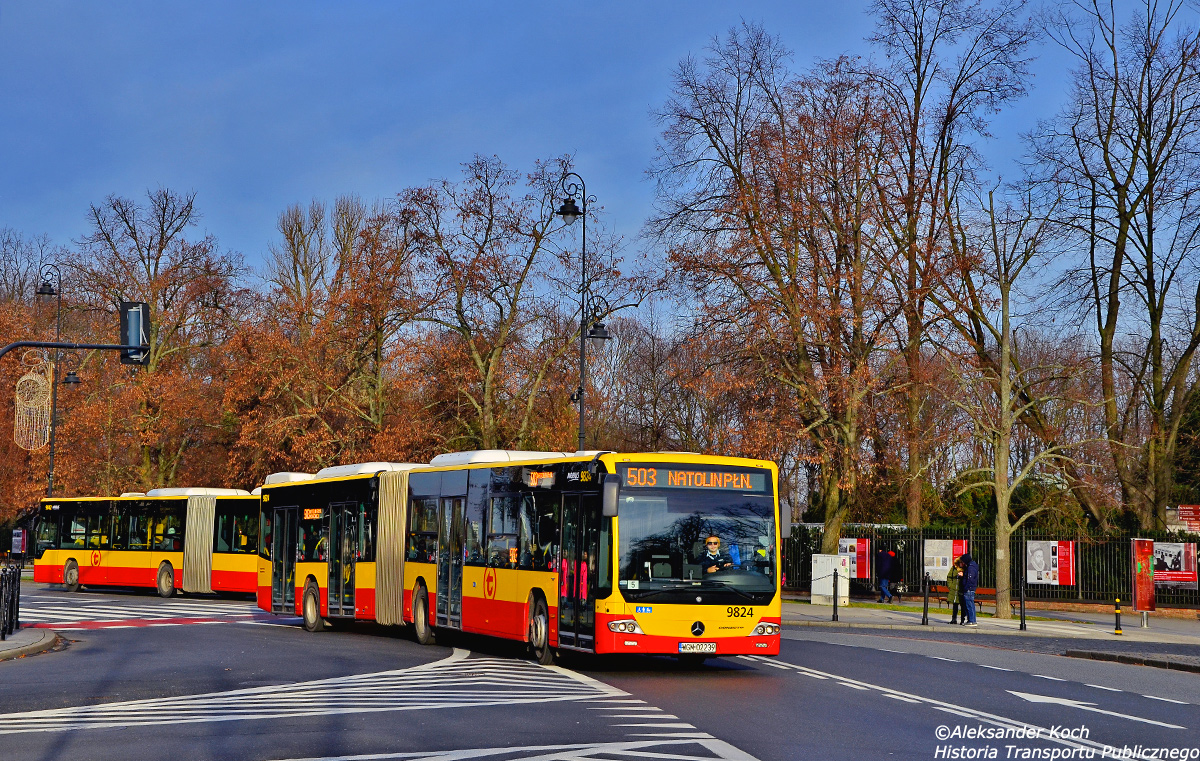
[[887, 569], [970, 582]]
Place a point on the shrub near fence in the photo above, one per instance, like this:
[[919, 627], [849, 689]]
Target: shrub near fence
[[1101, 561]]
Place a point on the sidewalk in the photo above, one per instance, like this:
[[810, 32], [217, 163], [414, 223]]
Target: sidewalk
[[1069, 625], [26, 642]]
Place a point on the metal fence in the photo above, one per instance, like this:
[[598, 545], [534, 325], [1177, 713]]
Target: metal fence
[[1102, 567], [10, 600]]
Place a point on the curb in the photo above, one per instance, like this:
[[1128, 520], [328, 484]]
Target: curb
[[1135, 660], [947, 628], [46, 639]]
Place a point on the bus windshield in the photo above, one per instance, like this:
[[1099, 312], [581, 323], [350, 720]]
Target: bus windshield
[[691, 544]]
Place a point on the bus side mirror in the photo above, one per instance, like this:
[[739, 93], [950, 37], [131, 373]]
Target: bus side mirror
[[611, 495], [785, 522]]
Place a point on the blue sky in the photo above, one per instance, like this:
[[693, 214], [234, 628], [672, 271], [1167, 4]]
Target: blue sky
[[258, 105]]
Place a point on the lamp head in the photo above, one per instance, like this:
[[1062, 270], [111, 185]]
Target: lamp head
[[46, 289], [568, 211], [598, 334], [72, 379]]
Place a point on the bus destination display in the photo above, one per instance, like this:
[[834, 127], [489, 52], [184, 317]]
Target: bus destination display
[[672, 478]]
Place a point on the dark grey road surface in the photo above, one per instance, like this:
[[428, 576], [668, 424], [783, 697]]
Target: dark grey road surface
[[234, 686]]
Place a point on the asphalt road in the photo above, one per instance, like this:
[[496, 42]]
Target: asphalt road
[[199, 678]]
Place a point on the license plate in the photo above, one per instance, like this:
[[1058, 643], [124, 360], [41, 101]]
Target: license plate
[[697, 647]]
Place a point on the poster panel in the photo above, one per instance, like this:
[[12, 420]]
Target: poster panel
[[1190, 516], [1050, 562], [939, 554], [1175, 565], [859, 553], [1141, 552]]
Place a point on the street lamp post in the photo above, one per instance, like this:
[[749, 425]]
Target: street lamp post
[[45, 290], [590, 312]]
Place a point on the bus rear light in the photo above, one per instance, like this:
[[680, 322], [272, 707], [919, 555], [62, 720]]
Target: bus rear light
[[765, 629], [628, 626]]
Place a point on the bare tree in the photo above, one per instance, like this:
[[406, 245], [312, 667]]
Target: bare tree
[[948, 64], [1125, 151]]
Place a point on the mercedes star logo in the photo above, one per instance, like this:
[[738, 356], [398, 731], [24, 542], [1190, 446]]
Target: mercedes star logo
[[697, 629]]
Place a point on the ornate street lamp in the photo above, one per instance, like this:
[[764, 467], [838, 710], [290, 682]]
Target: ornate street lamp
[[52, 288], [590, 307]]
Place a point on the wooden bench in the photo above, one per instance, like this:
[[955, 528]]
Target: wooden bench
[[982, 595]]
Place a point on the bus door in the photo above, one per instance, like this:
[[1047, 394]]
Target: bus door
[[283, 559], [450, 562], [343, 549], [577, 570]]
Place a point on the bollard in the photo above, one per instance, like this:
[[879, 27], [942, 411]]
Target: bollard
[[1145, 620], [1117, 630], [1023, 627], [925, 613], [835, 591]]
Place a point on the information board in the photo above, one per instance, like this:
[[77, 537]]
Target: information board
[[940, 553], [859, 553], [1141, 552], [1050, 562], [1175, 565]]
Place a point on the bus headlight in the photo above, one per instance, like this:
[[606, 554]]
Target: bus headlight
[[627, 626], [765, 629]]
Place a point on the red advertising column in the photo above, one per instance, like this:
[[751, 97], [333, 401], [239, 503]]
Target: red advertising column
[[1142, 571]]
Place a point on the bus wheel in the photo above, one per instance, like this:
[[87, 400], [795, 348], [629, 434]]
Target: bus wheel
[[312, 609], [71, 576], [539, 633], [166, 580], [421, 625]]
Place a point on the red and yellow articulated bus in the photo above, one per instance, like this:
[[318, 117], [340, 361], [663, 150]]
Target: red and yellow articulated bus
[[604, 552], [196, 540]]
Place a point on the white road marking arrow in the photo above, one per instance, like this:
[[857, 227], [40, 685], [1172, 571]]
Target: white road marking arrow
[[1084, 706]]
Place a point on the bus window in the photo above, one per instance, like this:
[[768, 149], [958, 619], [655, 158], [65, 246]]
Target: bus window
[[222, 532], [503, 523], [366, 532], [120, 530], [139, 532], [98, 531], [264, 533], [313, 544], [74, 530], [168, 529], [245, 531], [422, 534], [476, 506], [47, 533], [547, 509]]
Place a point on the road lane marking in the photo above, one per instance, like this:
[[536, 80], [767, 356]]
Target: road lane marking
[[1051, 678], [453, 682], [1167, 700], [662, 745], [853, 686], [1102, 687], [940, 658], [900, 697], [993, 668], [977, 715], [1085, 706]]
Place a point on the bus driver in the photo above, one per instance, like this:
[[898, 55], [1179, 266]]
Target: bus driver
[[712, 560]]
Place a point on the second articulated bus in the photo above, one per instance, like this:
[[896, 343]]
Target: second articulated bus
[[655, 553], [196, 540]]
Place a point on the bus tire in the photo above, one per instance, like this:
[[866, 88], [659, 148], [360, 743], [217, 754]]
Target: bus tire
[[539, 633], [71, 576], [166, 580], [421, 627], [312, 608]]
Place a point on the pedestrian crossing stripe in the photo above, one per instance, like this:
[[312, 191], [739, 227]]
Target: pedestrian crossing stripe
[[698, 746], [455, 682], [103, 614]]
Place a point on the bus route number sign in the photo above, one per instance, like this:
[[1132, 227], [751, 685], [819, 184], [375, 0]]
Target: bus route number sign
[[312, 513], [672, 478]]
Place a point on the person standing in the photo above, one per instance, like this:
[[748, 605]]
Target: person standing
[[970, 582], [952, 585], [884, 561]]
